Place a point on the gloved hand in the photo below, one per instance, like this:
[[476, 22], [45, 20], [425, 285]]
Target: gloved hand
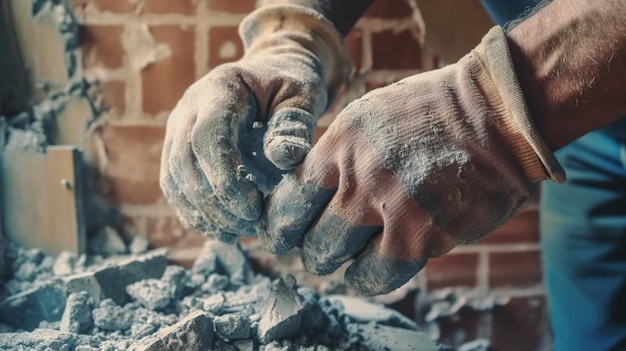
[[236, 130], [411, 170]]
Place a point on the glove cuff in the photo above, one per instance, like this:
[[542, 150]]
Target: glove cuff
[[292, 24], [516, 124]]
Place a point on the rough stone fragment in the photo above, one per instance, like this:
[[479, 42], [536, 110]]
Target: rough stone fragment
[[218, 257], [77, 316], [175, 277], [138, 245], [195, 332], [112, 317], [27, 309], [362, 310], [214, 303], [138, 331], [214, 283], [244, 345], [64, 264], [152, 293], [206, 262], [282, 314], [111, 281], [232, 326], [107, 241], [39, 339], [374, 336]]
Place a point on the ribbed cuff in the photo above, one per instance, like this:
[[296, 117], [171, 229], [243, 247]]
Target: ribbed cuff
[[533, 154]]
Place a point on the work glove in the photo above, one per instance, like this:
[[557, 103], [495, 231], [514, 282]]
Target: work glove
[[411, 170], [236, 130]]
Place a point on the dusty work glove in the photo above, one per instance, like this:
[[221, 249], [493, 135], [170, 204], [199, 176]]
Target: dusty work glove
[[237, 129], [411, 170]]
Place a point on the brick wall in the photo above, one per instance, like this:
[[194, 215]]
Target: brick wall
[[145, 53]]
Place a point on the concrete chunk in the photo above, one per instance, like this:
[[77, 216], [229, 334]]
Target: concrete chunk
[[27, 309], [151, 293], [111, 281], [195, 332], [365, 311], [282, 314], [232, 326], [218, 257], [373, 336], [39, 339], [77, 316], [112, 317]]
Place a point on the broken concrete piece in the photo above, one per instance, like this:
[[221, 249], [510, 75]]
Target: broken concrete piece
[[110, 316], [111, 281], [107, 241], [138, 245], [39, 339], [151, 293], [232, 326], [364, 311], [175, 277], [64, 264], [215, 283], [244, 345], [381, 337], [282, 314], [218, 257], [195, 332], [27, 309], [77, 315], [214, 303]]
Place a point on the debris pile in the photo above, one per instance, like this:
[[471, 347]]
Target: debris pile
[[139, 302]]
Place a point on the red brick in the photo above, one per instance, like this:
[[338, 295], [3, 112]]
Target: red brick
[[238, 6], [515, 269], [224, 45], [102, 46], [354, 43], [389, 9], [452, 270], [170, 232], [113, 94], [185, 7], [165, 81], [115, 6], [460, 328], [521, 325], [132, 165], [396, 51], [522, 228]]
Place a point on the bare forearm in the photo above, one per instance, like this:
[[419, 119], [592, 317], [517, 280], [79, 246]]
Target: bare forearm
[[343, 14], [571, 62]]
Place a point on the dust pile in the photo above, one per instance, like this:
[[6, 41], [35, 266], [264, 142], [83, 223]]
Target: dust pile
[[140, 302]]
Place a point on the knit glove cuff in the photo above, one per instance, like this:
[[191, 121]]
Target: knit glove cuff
[[516, 125]]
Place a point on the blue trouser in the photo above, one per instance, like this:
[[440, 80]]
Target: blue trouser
[[583, 236], [583, 232]]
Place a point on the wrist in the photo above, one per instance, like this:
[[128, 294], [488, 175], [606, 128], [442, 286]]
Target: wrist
[[571, 70]]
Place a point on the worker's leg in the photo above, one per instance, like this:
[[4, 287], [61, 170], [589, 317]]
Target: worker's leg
[[583, 229]]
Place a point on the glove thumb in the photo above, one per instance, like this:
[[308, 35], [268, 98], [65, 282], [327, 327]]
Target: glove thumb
[[289, 137]]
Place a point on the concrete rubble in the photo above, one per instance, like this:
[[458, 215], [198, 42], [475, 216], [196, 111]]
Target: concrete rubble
[[138, 302]]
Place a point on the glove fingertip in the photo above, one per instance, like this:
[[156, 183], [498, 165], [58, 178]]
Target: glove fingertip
[[289, 137], [372, 274], [286, 151]]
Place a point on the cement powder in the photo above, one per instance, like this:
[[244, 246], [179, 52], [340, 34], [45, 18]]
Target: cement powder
[[220, 304]]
